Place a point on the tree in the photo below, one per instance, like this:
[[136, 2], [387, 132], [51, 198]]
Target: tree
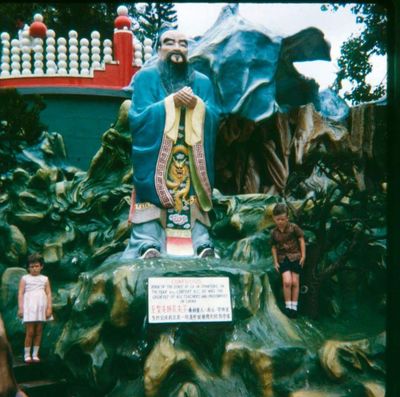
[[153, 18], [354, 62], [346, 237], [86, 17], [20, 126]]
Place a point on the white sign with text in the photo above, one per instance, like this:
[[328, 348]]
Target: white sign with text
[[189, 299]]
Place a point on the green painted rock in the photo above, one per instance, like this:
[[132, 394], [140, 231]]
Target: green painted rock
[[109, 346]]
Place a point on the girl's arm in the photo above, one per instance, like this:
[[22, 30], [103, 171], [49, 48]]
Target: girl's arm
[[275, 256], [49, 310], [302, 251], [21, 290]]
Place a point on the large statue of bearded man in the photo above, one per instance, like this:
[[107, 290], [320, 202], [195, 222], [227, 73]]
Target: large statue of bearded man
[[174, 121]]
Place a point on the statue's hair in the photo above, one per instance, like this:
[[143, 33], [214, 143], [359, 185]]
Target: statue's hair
[[165, 27], [280, 209]]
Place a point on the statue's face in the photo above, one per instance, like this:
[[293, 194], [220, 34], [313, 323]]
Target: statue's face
[[174, 46]]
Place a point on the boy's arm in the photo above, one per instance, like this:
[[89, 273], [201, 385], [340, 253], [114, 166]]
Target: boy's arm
[[49, 309], [21, 290], [275, 257], [302, 250]]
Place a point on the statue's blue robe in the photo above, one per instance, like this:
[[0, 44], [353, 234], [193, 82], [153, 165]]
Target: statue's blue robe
[[147, 121]]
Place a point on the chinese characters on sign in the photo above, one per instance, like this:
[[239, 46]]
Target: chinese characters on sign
[[189, 299]]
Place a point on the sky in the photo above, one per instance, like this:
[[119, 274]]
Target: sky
[[285, 19]]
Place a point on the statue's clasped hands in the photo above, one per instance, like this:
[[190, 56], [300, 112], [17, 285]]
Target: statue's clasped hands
[[185, 97]]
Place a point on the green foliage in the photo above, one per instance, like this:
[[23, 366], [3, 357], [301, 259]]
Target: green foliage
[[348, 230], [155, 17], [82, 17], [86, 17], [356, 51], [20, 126]]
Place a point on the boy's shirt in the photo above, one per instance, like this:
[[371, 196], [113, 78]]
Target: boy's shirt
[[287, 242]]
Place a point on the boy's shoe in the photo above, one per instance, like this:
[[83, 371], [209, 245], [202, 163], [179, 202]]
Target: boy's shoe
[[290, 312], [36, 359], [293, 313], [28, 359], [287, 312]]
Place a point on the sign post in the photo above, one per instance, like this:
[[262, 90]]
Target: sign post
[[189, 299]]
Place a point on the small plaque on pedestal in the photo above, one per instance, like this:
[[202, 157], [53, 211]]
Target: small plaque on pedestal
[[179, 242], [189, 299]]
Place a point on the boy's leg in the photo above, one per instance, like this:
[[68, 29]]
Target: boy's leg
[[287, 287], [295, 289]]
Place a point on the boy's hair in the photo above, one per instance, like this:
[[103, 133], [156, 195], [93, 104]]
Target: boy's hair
[[280, 209], [35, 258]]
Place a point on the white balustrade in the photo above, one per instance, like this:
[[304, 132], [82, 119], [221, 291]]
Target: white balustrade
[[15, 58], [26, 48], [73, 52], [51, 65], [84, 52], [5, 54], [138, 56], [107, 51], [148, 49], [62, 56], [5, 36], [95, 50], [38, 56]]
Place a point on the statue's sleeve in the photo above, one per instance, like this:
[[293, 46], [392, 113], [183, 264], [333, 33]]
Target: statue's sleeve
[[208, 97], [146, 119], [212, 116], [147, 113]]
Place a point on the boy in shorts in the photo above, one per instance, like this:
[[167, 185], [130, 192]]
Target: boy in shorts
[[289, 254]]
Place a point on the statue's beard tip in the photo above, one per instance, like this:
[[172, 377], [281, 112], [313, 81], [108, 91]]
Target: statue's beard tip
[[182, 64]]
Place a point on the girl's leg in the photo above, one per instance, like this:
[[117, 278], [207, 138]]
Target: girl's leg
[[37, 339], [287, 287], [295, 289], [38, 333], [29, 333]]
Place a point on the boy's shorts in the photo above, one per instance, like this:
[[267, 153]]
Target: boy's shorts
[[287, 265]]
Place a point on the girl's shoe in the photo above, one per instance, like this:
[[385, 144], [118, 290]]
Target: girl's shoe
[[28, 359], [36, 359]]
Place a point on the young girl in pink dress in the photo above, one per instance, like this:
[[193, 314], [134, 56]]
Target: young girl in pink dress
[[34, 305]]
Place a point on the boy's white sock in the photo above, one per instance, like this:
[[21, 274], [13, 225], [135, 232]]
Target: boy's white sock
[[35, 351], [294, 305], [27, 352], [288, 305]]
